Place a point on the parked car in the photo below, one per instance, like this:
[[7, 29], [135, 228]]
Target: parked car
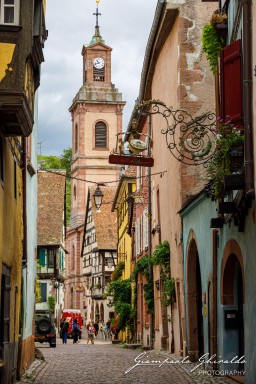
[[45, 331], [70, 315]]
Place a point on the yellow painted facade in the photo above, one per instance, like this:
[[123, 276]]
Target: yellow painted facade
[[124, 245], [11, 228], [6, 54]]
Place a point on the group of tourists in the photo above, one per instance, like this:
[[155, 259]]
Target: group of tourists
[[64, 326], [93, 330]]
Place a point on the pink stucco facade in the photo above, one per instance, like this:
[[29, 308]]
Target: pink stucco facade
[[176, 73]]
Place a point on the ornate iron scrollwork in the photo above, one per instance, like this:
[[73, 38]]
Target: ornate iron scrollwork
[[190, 140]]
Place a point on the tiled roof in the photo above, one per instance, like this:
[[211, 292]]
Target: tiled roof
[[105, 221], [51, 195], [130, 171]]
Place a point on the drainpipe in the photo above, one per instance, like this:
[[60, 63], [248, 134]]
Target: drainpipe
[[247, 99], [24, 177], [214, 295], [151, 319]]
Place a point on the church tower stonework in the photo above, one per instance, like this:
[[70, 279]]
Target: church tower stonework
[[96, 114]]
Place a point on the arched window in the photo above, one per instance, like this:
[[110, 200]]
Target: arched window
[[73, 258], [100, 135], [76, 138]]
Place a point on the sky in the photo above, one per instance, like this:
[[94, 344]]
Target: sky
[[124, 25]]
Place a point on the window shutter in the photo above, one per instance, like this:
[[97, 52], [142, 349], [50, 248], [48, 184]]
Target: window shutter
[[100, 135], [43, 292], [42, 257], [145, 213], [231, 83]]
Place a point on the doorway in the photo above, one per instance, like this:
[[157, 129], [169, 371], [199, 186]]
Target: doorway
[[194, 304]]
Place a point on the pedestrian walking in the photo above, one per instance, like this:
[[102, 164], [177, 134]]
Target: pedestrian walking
[[75, 331], [103, 329], [96, 327], [64, 331], [90, 332]]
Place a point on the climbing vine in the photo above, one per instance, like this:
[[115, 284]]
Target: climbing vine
[[51, 303], [120, 292], [117, 274]]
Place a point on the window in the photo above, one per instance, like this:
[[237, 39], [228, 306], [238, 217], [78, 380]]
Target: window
[[5, 306], [43, 292], [76, 138], [50, 258], [9, 12], [231, 83], [100, 135], [42, 257], [98, 74]]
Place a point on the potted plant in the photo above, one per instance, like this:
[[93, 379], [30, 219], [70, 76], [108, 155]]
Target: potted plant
[[229, 141], [219, 20], [213, 38]]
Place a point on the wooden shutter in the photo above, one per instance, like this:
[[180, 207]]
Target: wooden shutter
[[100, 135], [42, 257], [43, 292], [231, 83]]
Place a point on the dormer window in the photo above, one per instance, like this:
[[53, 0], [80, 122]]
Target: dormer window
[[9, 12]]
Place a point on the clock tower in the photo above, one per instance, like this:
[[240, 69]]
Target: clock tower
[[96, 113]]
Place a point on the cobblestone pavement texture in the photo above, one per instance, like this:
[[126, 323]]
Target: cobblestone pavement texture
[[105, 363]]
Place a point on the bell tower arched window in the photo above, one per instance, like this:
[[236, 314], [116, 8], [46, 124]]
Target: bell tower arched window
[[76, 137], [100, 135]]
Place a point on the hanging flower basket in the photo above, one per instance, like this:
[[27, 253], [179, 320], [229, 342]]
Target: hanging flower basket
[[219, 21]]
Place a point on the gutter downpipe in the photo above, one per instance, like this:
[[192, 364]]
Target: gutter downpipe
[[247, 100], [24, 171], [214, 295], [151, 318]]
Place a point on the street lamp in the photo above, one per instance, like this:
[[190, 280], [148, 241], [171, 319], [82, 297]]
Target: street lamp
[[98, 196]]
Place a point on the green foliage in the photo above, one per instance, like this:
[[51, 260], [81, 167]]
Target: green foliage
[[142, 266], [212, 44], [121, 293], [61, 162], [168, 291], [149, 294], [161, 256], [126, 316], [51, 303], [66, 160], [38, 290], [117, 274], [120, 290], [228, 137]]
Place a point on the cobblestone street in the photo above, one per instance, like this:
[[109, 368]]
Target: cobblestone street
[[104, 363]]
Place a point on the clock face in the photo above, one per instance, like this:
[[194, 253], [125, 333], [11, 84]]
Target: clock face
[[98, 63]]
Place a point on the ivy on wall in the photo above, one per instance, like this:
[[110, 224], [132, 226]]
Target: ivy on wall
[[51, 303]]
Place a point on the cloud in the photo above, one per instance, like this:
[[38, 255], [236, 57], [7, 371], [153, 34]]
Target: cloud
[[125, 26]]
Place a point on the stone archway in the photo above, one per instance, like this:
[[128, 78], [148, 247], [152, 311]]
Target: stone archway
[[232, 296], [97, 313], [102, 312], [194, 303]]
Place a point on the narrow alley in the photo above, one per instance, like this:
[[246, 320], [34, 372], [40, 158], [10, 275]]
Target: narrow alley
[[105, 363]]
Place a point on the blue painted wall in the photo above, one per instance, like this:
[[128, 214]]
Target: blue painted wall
[[196, 217]]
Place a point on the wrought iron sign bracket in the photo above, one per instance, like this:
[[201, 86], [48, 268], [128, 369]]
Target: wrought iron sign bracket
[[190, 140]]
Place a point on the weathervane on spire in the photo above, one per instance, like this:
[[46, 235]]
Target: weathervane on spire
[[97, 14]]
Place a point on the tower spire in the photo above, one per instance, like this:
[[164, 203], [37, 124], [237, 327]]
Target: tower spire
[[97, 37], [97, 14]]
